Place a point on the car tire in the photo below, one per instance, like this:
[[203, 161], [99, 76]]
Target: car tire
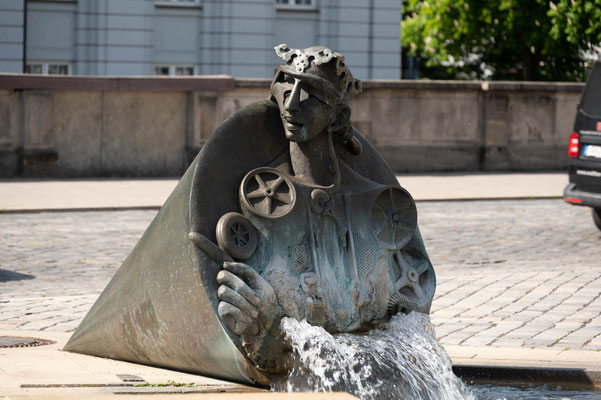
[[597, 217]]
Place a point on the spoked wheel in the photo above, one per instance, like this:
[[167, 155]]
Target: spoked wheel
[[597, 217], [267, 193]]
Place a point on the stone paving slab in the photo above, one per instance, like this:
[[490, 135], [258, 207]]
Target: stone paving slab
[[87, 194], [64, 375], [98, 394], [520, 357], [70, 374], [519, 281], [484, 185], [64, 368], [93, 194]]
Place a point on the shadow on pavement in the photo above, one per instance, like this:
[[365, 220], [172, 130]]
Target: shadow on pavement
[[6, 276]]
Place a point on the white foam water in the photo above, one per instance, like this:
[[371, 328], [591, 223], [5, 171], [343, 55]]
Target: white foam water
[[403, 360]]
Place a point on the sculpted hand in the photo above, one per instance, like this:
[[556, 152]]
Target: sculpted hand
[[246, 299]]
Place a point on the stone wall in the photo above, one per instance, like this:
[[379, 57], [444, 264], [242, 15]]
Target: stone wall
[[469, 126], [88, 127]]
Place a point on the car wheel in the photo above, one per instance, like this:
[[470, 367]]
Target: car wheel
[[597, 217]]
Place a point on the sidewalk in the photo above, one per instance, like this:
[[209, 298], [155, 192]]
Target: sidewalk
[[108, 194], [46, 372], [497, 281]]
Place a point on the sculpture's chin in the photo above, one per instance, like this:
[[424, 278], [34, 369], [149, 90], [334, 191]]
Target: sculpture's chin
[[297, 135]]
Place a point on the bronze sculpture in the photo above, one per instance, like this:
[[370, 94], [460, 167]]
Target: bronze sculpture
[[289, 211]]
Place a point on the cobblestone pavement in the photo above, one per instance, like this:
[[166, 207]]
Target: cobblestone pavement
[[515, 273], [510, 273]]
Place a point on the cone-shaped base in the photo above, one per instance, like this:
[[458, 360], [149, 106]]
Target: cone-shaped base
[[160, 307]]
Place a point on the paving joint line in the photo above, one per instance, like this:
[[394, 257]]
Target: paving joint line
[[513, 302], [158, 207], [550, 293], [458, 287], [494, 324], [582, 325], [564, 318], [456, 315]]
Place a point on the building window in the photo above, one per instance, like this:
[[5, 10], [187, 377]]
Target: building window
[[48, 68], [296, 2], [174, 70], [177, 3]]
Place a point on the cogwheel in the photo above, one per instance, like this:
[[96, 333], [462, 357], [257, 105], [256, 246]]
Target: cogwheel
[[398, 302]]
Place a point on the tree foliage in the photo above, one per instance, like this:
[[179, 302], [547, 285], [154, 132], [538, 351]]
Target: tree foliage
[[502, 39]]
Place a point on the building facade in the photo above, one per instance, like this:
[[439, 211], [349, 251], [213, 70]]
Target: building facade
[[186, 37]]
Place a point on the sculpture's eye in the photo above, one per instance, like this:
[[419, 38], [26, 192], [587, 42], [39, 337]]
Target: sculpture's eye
[[315, 92], [287, 93], [313, 96], [303, 95]]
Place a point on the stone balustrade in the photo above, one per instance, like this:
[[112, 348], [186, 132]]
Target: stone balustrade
[[154, 126]]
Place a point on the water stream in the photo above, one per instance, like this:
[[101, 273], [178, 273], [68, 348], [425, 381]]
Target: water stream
[[403, 360]]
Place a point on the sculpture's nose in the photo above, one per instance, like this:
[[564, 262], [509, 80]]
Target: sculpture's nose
[[292, 103]]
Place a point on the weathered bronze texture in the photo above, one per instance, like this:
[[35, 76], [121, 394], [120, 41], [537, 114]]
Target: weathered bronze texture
[[286, 211]]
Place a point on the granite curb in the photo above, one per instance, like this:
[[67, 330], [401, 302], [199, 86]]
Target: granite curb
[[23, 196], [579, 378]]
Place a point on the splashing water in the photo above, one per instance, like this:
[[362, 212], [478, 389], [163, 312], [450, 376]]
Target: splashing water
[[403, 360]]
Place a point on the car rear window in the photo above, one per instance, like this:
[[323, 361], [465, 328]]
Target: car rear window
[[591, 98]]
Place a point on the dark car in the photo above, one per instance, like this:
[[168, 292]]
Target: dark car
[[584, 150]]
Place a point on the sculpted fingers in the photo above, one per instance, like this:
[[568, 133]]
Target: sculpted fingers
[[236, 320], [245, 296], [230, 296], [247, 273], [229, 310], [238, 285]]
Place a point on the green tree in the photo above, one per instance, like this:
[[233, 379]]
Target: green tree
[[501, 39], [579, 21]]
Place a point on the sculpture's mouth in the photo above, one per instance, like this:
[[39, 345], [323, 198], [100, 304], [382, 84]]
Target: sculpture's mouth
[[291, 124]]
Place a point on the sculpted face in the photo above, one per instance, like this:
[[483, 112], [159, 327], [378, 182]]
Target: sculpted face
[[304, 108]]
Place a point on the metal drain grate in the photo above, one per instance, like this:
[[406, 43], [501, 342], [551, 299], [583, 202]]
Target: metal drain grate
[[8, 342]]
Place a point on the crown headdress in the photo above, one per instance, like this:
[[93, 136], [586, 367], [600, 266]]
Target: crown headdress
[[302, 59]]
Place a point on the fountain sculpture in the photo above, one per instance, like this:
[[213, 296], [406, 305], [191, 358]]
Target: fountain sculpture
[[287, 211]]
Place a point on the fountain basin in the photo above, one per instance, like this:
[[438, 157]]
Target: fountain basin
[[577, 378], [531, 392]]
